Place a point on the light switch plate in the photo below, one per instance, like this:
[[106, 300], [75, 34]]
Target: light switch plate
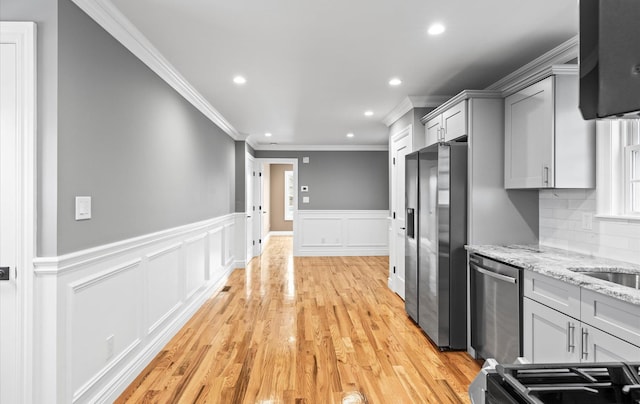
[[305, 199], [83, 207], [305, 160], [304, 188]]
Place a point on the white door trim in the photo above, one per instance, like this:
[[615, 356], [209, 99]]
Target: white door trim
[[23, 35], [393, 282], [294, 162]]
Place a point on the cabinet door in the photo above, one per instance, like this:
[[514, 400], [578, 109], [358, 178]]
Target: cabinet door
[[529, 136], [598, 346], [548, 335], [454, 121], [432, 130]]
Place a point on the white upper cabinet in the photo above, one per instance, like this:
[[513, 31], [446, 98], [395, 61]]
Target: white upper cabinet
[[449, 125], [547, 143]]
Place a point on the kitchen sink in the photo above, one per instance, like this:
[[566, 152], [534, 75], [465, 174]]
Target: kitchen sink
[[620, 278]]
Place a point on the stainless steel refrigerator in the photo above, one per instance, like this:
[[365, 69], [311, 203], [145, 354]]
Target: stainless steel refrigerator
[[435, 259]]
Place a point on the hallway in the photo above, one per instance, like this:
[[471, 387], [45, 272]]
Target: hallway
[[303, 330]]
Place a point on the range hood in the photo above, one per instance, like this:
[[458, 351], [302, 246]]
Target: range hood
[[610, 58]]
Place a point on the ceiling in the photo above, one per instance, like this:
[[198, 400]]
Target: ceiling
[[314, 67]]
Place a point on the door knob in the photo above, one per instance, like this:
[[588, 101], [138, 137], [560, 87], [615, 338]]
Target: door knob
[[4, 273]]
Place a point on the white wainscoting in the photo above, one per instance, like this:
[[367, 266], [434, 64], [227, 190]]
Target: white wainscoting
[[103, 314], [341, 232]]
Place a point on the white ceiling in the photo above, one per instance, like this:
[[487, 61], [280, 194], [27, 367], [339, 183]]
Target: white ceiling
[[314, 67]]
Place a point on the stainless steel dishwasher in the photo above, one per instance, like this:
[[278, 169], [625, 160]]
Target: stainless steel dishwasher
[[496, 309]]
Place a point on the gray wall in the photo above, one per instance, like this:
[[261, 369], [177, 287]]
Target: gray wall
[[146, 156], [45, 15], [240, 180], [340, 180]]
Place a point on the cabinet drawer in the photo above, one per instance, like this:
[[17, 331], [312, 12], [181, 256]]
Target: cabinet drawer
[[612, 315], [554, 293]]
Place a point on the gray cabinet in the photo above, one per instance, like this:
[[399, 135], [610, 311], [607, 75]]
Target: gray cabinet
[[561, 320], [547, 143]]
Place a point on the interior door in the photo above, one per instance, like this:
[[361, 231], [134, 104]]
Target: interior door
[[401, 147], [249, 207], [257, 203], [9, 325]]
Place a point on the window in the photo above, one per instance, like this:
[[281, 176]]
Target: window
[[632, 165], [619, 168], [289, 195]]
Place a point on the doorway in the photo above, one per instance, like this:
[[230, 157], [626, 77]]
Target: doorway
[[17, 208], [279, 197], [401, 144]]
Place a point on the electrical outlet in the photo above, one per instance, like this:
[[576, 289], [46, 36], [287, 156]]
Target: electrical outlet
[[110, 347], [587, 221]]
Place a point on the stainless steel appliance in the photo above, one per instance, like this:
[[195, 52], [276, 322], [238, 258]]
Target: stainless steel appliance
[[496, 312], [609, 58], [583, 383], [435, 261]]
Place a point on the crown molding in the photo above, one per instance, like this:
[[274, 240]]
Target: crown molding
[[461, 96], [413, 101], [115, 23], [537, 68], [303, 147]]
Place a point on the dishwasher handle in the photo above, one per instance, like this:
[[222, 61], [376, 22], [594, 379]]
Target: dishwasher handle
[[494, 275]]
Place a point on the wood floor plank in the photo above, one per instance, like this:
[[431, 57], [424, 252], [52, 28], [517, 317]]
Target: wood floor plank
[[303, 330]]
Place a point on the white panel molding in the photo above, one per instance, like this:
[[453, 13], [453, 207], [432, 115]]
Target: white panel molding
[[368, 240], [235, 242], [196, 246], [59, 279], [115, 23], [84, 285], [101, 277]]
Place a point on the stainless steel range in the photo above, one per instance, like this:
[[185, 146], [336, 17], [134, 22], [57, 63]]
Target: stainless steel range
[[583, 383]]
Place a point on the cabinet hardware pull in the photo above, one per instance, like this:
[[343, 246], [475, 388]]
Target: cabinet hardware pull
[[585, 344], [570, 336], [545, 175]]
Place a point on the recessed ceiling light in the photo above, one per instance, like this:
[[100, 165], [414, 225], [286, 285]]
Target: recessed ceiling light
[[267, 134], [239, 80], [368, 113], [395, 81], [436, 29], [350, 134]]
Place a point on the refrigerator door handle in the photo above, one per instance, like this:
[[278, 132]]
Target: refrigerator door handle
[[410, 223]]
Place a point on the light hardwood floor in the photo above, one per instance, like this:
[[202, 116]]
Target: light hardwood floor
[[303, 330]]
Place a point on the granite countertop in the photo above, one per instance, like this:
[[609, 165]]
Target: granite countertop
[[565, 265]]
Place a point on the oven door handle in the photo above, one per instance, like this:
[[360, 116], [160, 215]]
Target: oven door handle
[[495, 275]]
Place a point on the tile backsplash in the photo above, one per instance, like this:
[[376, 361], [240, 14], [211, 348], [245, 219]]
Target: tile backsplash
[[563, 213]]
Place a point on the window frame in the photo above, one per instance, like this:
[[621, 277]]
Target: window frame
[[616, 140], [629, 181]]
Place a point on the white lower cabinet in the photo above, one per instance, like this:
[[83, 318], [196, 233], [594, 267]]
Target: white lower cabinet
[[599, 346], [550, 336]]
